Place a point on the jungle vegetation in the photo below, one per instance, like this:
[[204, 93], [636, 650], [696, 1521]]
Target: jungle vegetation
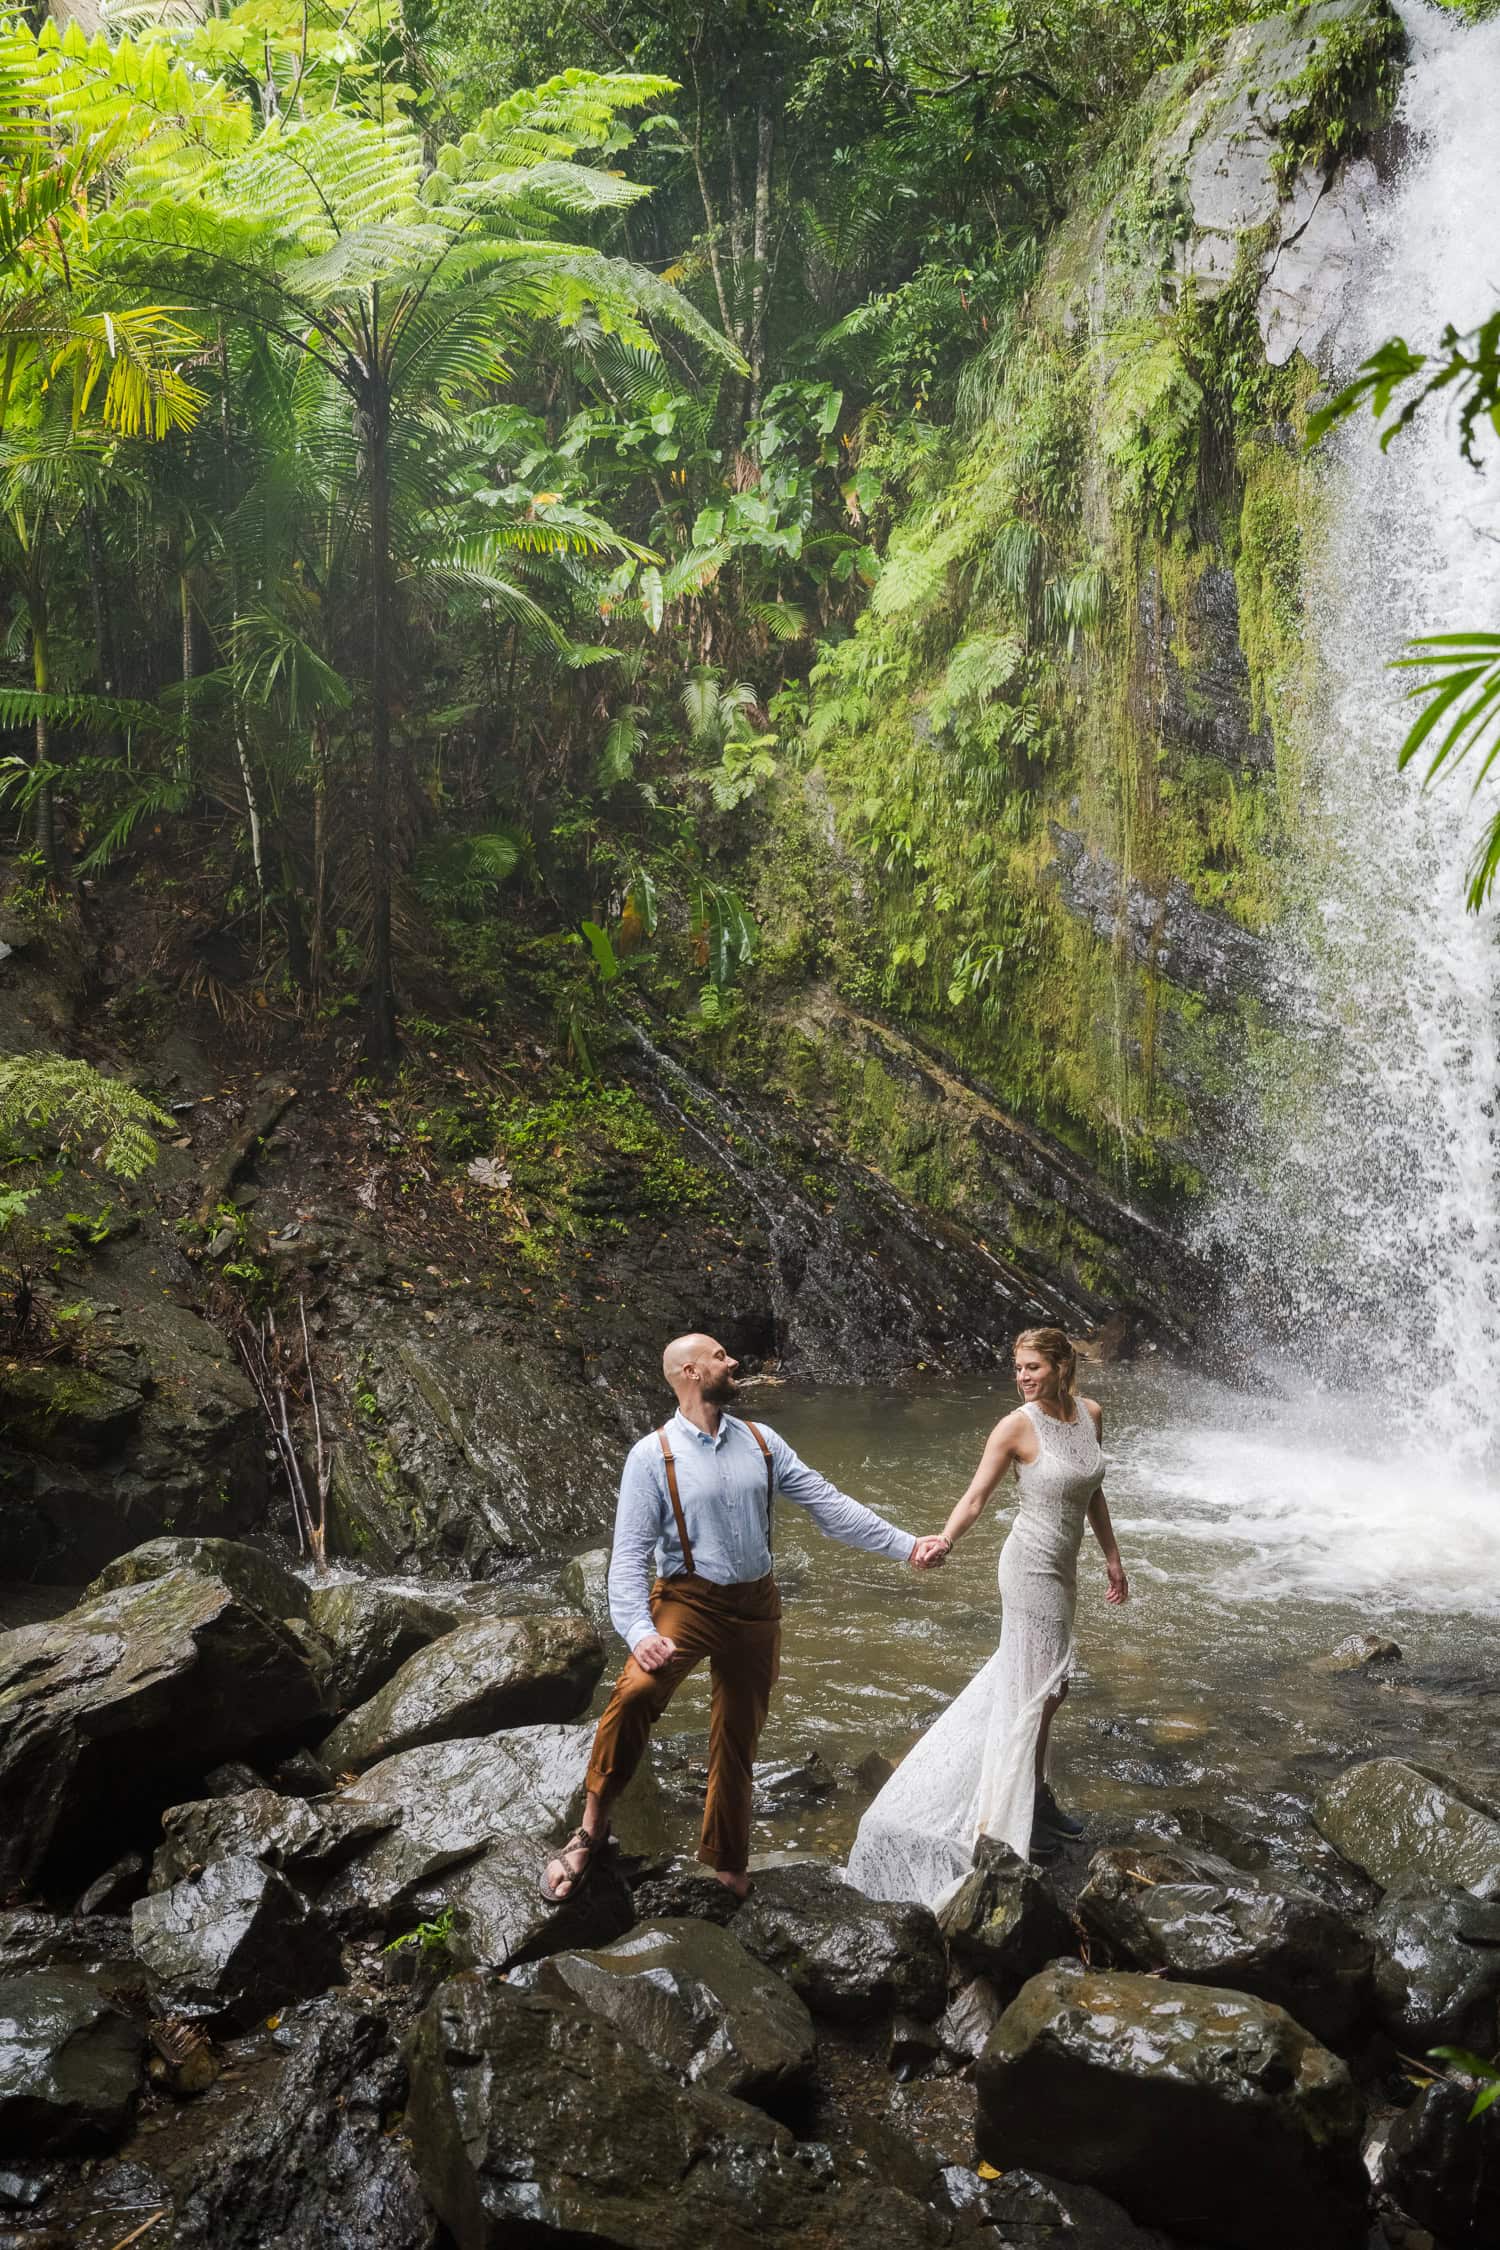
[[438, 443]]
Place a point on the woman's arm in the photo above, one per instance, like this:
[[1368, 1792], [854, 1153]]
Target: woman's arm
[[1102, 1528], [996, 1458]]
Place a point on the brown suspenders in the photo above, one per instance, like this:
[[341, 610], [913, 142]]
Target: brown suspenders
[[681, 1520]]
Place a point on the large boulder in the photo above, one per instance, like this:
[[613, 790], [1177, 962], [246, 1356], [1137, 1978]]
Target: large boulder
[[1204, 2111], [1407, 1827], [1191, 1915], [70, 2064], [372, 1626], [690, 1996], [309, 1841], [231, 1943], [1005, 1921], [116, 1708], [448, 1802], [532, 2122], [499, 1917], [1437, 1971], [491, 1673], [852, 1959], [257, 1580], [1442, 2166]]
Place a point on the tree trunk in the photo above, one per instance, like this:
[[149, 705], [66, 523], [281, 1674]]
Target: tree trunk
[[710, 219], [47, 840], [317, 942], [760, 253], [106, 663], [382, 1040]]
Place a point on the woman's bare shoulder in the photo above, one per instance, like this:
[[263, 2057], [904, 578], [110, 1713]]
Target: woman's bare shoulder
[[1009, 1424], [1094, 1411]]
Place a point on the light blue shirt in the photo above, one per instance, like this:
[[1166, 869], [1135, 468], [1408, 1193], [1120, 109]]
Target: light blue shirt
[[721, 1481]]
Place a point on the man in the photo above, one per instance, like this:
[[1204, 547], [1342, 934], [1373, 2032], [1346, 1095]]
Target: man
[[696, 1497]]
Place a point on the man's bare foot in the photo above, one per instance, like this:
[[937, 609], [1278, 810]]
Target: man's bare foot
[[739, 1884]]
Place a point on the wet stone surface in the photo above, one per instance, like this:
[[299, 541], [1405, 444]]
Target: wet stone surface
[[1443, 2168], [1263, 2124], [492, 1673], [1410, 1827], [849, 1957], [1193, 1916], [1005, 1922], [232, 1943], [690, 1996], [70, 2064], [1437, 1971]]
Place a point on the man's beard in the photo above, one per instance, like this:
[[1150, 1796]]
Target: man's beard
[[721, 1390]]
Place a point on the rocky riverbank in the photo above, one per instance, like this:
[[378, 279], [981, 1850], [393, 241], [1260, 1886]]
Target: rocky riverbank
[[275, 1968]]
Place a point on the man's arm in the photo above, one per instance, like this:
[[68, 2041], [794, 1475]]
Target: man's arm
[[633, 1554], [831, 1510]]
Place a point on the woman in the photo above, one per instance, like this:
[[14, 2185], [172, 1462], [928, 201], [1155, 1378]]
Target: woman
[[981, 1771]]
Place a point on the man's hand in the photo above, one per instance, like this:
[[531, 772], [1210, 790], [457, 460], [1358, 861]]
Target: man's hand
[[652, 1653], [930, 1553]]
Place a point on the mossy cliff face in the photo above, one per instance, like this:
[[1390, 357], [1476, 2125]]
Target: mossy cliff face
[[1052, 779]]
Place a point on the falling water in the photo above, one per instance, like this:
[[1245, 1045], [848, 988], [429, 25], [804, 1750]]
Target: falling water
[[1366, 1212]]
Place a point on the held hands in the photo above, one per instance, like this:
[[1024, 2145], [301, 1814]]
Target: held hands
[[1119, 1584], [931, 1553], [652, 1653]]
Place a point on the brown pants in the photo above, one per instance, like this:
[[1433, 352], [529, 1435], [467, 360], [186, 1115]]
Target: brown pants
[[738, 1628]]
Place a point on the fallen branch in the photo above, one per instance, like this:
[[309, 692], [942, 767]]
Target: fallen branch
[[136, 2232], [265, 1359], [270, 1107]]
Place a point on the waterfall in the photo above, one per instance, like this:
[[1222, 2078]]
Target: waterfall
[[1368, 1213]]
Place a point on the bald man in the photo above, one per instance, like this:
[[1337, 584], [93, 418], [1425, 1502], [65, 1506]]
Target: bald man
[[695, 1504]]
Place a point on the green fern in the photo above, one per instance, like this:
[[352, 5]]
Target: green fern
[[65, 1100]]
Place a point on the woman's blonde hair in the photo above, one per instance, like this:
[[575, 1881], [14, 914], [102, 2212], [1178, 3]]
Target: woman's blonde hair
[[1056, 1350]]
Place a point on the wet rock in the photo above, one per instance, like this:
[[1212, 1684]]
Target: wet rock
[[302, 1775], [1202, 706], [117, 1889], [1192, 1916], [309, 1842], [585, 1582], [1191, 945], [494, 1672], [455, 1799], [852, 1959], [1442, 2168], [874, 1771], [231, 1943], [1005, 1921], [255, 1579], [70, 2064], [311, 2161], [912, 2048], [1032, 2212], [107, 1712], [680, 1886], [501, 1918], [1101, 2073], [372, 1628], [1360, 1652], [532, 2121], [793, 1782], [690, 1996], [231, 1779], [161, 1429], [1405, 1826], [33, 1939], [1437, 1971], [970, 2017]]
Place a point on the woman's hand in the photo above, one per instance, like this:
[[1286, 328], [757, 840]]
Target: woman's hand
[[1119, 1584], [931, 1553]]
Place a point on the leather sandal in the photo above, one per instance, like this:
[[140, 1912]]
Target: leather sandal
[[580, 1842]]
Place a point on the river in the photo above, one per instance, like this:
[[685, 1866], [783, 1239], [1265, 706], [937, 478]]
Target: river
[[1256, 1539]]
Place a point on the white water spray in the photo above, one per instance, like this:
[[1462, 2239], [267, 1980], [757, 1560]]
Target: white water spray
[[1375, 1214]]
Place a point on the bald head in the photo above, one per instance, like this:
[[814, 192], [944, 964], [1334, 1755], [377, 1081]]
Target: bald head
[[697, 1367]]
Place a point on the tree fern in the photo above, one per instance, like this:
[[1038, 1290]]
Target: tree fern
[[66, 1101]]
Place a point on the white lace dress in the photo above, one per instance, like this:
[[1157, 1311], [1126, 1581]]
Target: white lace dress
[[973, 1773]]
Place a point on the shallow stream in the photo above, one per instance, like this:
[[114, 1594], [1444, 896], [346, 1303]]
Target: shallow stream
[[1257, 1536]]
